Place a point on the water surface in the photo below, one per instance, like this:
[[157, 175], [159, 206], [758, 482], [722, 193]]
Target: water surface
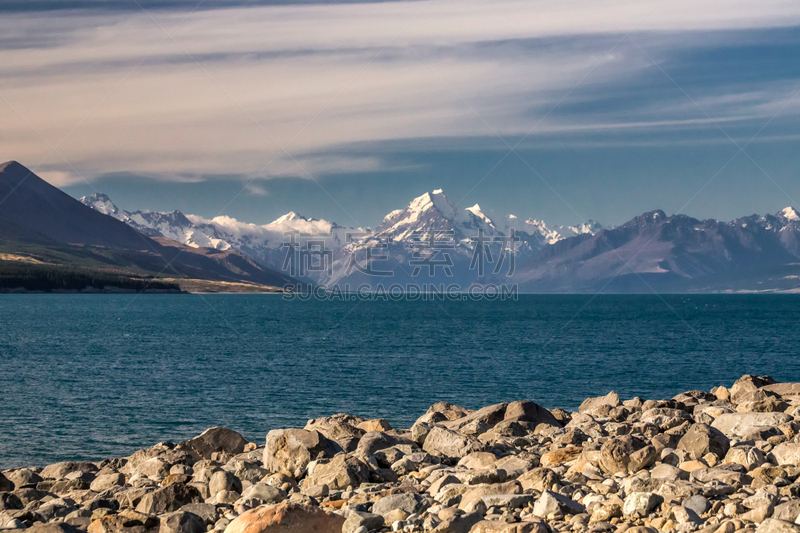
[[97, 376]]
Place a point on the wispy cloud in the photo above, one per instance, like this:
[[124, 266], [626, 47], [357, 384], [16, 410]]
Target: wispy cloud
[[240, 84]]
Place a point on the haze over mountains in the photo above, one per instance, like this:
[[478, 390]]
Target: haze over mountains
[[651, 252]]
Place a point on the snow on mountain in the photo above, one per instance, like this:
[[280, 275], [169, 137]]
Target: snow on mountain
[[789, 213], [434, 210], [223, 232], [538, 228]]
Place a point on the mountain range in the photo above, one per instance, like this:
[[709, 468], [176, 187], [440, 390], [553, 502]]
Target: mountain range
[[432, 240], [48, 232]]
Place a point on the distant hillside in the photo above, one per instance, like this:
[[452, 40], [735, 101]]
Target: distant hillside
[[43, 225]]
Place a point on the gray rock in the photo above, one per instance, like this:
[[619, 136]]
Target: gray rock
[[265, 493], [443, 441], [702, 439], [181, 522], [340, 473], [788, 511], [787, 453], [223, 480], [168, 499], [107, 481], [773, 525], [58, 527], [206, 511], [550, 502], [23, 477], [640, 504], [490, 415], [738, 425], [698, 503], [60, 470], [590, 404], [357, 520], [379, 440], [533, 413], [406, 501], [215, 440], [626, 454], [293, 449], [510, 501]]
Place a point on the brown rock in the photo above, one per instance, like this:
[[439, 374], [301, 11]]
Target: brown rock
[[286, 518]]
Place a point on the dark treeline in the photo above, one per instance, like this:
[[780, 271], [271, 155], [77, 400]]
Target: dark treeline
[[45, 278]]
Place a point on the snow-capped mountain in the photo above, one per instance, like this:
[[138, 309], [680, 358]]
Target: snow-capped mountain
[[435, 210], [263, 243]]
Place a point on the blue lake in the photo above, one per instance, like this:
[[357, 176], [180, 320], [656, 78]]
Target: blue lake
[[97, 376]]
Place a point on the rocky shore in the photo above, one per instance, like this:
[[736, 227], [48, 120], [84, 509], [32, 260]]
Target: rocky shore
[[723, 461]]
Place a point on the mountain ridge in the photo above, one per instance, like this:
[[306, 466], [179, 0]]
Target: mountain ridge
[[670, 251]]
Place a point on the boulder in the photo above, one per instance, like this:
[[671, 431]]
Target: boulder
[[550, 502], [215, 440], [640, 504], [340, 473], [540, 479], [286, 518], [738, 425], [787, 453], [442, 411], [702, 439], [788, 511], [404, 501], [22, 478], [697, 503], [291, 450], [773, 525], [449, 443], [748, 383], [590, 404], [533, 413], [107, 481], [340, 428], [206, 511], [57, 527], [377, 424], [626, 454], [498, 526], [60, 470], [489, 415], [224, 480], [266, 493], [126, 521], [665, 418], [181, 522], [357, 520], [380, 440], [168, 499]]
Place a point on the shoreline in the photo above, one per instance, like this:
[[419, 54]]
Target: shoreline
[[721, 461]]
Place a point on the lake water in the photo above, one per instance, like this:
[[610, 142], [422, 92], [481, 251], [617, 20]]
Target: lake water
[[97, 376]]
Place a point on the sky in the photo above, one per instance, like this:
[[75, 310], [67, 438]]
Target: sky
[[557, 110]]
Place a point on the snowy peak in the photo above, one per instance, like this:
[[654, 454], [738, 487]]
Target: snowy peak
[[433, 210], [102, 203], [789, 213], [539, 229], [476, 210], [291, 216]]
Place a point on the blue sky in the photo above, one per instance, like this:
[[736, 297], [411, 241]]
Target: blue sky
[[346, 111]]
